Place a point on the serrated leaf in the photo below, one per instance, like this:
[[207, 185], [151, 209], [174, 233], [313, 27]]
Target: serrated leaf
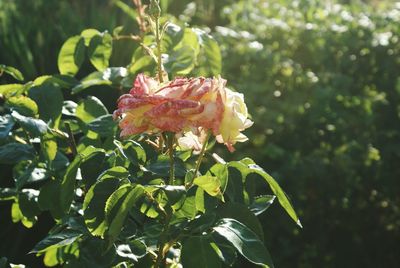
[[57, 240], [71, 55], [94, 204], [100, 49], [245, 241], [118, 206], [68, 182]]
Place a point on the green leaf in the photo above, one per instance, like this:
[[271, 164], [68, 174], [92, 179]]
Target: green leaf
[[104, 125], [197, 252], [140, 60], [241, 213], [11, 71], [71, 55], [12, 153], [224, 250], [110, 76], [29, 175], [100, 50], [210, 184], [6, 124], [57, 240], [132, 251], [209, 60], [35, 127], [114, 172], [48, 145], [23, 105], [68, 183], [132, 150], [261, 204], [118, 206], [89, 109], [12, 89], [8, 194], [172, 35], [247, 166], [94, 204], [244, 240], [131, 12], [162, 164], [63, 81], [180, 61], [28, 203], [49, 99], [49, 198], [88, 34], [199, 199]]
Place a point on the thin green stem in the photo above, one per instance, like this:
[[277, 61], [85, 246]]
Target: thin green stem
[[171, 141], [158, 40], [71, 139], [202, 152]]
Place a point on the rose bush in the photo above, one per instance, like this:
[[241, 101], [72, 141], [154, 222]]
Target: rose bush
[[184, 105]]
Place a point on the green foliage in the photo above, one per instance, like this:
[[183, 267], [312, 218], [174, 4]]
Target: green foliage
[[115, 202]]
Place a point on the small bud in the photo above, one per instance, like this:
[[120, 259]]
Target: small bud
[[154, 9]]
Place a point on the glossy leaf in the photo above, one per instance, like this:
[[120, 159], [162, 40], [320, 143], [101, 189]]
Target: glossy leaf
[[210, 184], [6, 124], [94, 204], [23, 105], [244, 240], [100, 49], [247, 166], [12, 153], [261, 204], [89, 109], [71, 55], [204, 256], [49, 99], [209, 59], [118, 206], [180, 61], [11, 71], [57, 240], [35, 127]]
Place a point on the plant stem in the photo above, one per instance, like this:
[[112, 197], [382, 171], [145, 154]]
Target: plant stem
[[71, 139], [158, 40], [202, 152], [171, 141]]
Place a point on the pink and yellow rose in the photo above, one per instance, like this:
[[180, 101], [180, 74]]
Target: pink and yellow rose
[[184, 105]]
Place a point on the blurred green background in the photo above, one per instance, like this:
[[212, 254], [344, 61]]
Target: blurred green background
[[322, 83]]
